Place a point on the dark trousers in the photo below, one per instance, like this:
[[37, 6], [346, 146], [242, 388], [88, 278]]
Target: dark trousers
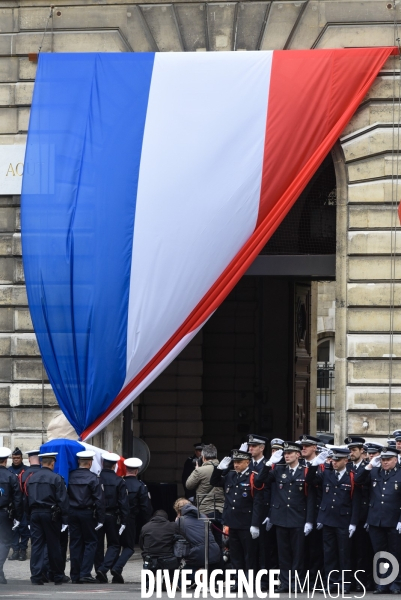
[[127, 541], [271, 553], [362, 555], [21, 536], [314, 562], [110, 530], [290, 545], [6, 535], [387, 539], [337, 553], [44, 532], [242, 549], [83, 542], [217, 526]]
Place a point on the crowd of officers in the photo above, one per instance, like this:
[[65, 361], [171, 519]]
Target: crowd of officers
[[305, 509], [86, 511]]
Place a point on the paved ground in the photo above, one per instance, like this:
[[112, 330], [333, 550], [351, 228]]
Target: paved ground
[[19, 586]]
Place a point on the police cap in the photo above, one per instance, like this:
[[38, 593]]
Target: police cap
[[397, 435], [309, 440], [110, 457], [292, 447], [277, 443], [255, 439], [48, 455], [32, 452], [240, 455], [86, 454], [340, 452], [4, 452], [373, 448], [354, 441], [133, 463]]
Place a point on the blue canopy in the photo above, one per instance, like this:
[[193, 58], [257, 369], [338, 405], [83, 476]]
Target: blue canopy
[[66, 460]]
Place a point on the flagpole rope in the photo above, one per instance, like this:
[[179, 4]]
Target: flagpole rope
[[44, 32], [394, 205]]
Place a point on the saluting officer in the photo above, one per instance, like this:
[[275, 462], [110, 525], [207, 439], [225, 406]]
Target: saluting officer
[[338, 513], [242, 507], [291, 510], [117, 511], [10, 498], [86, 517], [271, 551], [139, 504], [384, 517], [48, 511], [373, 450], [361, 546]]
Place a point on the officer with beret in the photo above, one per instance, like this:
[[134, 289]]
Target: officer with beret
[[21, 534], [361, 547], [139, 505], [48, 514], [291, 510], [86, 517], [10, 508], [384, 517], [117, 511], [242, 507], [338, 513]]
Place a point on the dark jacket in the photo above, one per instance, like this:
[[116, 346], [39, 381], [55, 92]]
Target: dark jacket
[[46, 489], [291, 505], [192, 530], [115, 494], [157, 537], [10, 492], [364, 491], [241, 509], [138, 498], [85, 492], [385, 495], [340, 503]]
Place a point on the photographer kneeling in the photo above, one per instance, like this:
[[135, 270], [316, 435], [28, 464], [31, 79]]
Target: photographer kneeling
[[209, 499], [157, 543]]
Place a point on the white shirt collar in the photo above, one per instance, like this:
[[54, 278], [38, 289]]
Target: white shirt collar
[[341, 473], [257, 461]]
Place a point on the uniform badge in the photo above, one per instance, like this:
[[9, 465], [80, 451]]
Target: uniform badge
[[284, 476], [244, 495]]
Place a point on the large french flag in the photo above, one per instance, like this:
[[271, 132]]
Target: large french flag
[[151, 183]]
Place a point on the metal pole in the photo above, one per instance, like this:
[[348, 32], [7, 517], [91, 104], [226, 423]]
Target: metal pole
[[206, 545]]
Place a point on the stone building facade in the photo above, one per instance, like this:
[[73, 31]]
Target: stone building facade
[[365, 160]]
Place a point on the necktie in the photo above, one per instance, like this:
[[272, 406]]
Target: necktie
[[255, 464], [292, 472], [338, 475]]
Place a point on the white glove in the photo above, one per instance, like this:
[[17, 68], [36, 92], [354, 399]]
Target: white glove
[[63, 528], [320, 458], [244, 447], [375, 462], [268, 524], [254, 532], [98, 526], [121, 529], [352, 529], [319, 526], [275, 458], [308, 528], [398, 528], [15, 524], [224, 464], [366, 526]]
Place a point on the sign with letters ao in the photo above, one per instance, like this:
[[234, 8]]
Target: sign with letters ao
[[39, 170]]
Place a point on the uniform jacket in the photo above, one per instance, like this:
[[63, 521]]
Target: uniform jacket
[[85, 491], [157, 537], [363, 489], [199, 483], [46, 489], [115, 494], [17, 470], [385, 495], [138, 498], [291, 505], [10, 493], [337, 508], [29, 471], [241, 510], [190, 527]]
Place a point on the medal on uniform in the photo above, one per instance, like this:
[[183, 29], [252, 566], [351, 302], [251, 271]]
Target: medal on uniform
[[284, 476]]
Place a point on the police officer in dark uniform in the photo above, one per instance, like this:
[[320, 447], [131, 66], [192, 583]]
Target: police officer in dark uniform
[[10, 508], [139, 505], [271, 551], [48, 514], [291, 510], [189, 466], [21, 534], [338, 513], [242, 507], [361, 547], [86, 517], [117, 511], [384, 517]]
